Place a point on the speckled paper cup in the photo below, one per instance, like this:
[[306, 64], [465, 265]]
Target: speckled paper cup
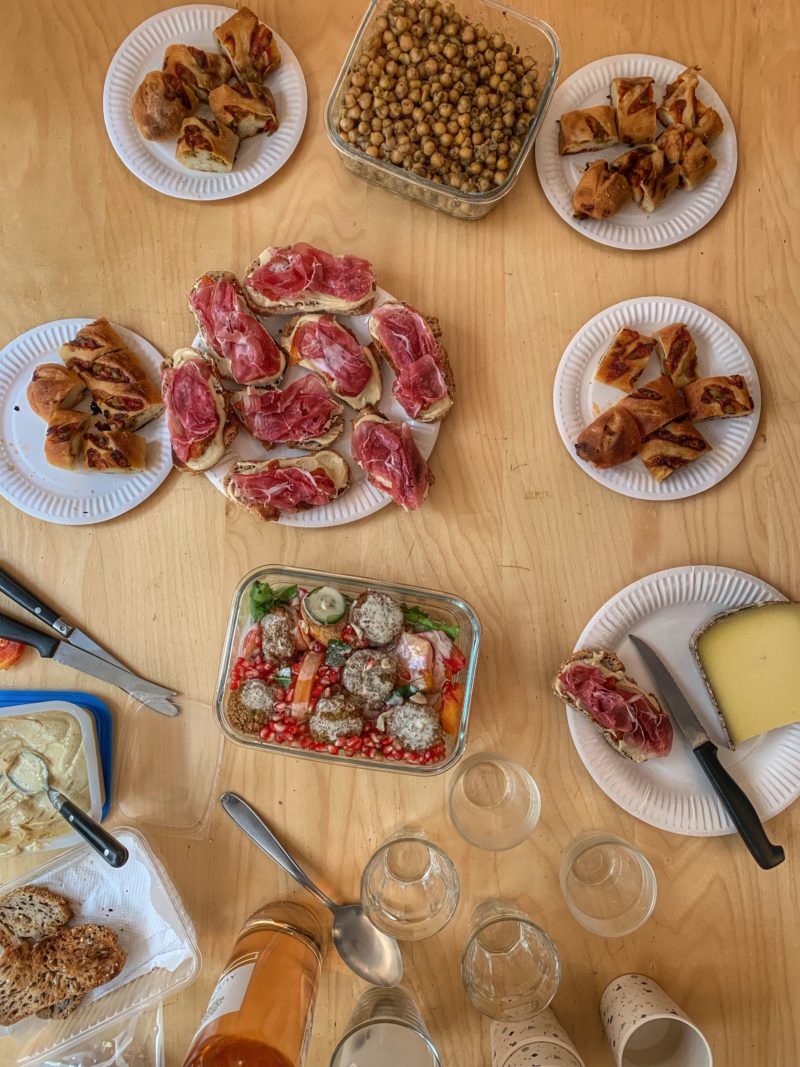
[[541, 1042], [646, 1028]]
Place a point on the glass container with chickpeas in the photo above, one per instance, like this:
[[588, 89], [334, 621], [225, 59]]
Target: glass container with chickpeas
[[442, 103]]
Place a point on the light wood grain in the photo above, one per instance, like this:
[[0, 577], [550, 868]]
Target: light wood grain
[[512, 524]]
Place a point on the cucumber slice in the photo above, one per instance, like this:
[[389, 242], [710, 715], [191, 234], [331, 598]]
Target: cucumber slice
[[325, 605]]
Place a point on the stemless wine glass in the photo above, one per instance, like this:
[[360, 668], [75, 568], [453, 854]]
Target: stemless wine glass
[[410, 887], [609, 886], [510, 967], [494, 803], [385, 1028]]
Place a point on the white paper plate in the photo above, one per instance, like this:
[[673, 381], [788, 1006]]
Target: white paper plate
[[672, 792], [257, 159], [361, 499], [578, 400], [70, 498], [684, 212]]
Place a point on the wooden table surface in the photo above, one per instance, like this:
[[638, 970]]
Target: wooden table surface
[[512, 523]]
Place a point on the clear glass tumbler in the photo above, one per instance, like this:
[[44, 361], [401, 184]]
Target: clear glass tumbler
[[410, 887], [609, 886], [385, 1028], [494, 802], [510, 967]]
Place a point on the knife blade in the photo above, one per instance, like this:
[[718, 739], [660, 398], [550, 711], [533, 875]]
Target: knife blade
[[66, 631], [734, 799], [62, 652]]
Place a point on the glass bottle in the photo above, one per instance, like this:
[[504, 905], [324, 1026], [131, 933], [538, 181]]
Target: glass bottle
[[259, 1014]]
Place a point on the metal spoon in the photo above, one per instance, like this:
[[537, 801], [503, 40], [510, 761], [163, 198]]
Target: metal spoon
[[372, 955], [114, 853]]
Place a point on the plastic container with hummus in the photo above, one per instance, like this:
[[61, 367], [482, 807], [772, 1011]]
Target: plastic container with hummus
[[64, 735]]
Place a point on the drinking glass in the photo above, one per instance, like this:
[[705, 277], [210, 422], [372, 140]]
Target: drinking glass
[[410, 887], [385, 1028], [609, 886], [494, 803], [510, 967]]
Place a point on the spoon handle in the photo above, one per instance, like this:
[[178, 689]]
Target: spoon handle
[[113, 852], [257, 830]]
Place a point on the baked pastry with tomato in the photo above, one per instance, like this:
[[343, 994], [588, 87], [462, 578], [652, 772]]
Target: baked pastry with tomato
[[673, 447], [54, 386], [587, 130], [680, 104], [201, 71], [113, 451], [723, 396], [63, 440], [600, 192], [204, 144], [635, 109], [160, 105], [625, 360], [249, 44], [245, 108]]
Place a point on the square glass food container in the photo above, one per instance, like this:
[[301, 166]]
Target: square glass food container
[[442, 606], [529, 34]]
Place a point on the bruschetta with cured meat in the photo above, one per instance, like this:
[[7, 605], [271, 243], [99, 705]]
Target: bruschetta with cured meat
[[301, 415], [199, 416], [388, 454], [325, 346], [300, 278], [273, 487], [410, 342]]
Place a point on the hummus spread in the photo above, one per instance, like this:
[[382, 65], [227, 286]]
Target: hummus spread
[[28, 821]]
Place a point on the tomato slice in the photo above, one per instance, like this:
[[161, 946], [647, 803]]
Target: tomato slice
[[10, 651]]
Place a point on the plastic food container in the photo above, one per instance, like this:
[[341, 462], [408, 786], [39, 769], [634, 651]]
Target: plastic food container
[[442, 606], [35, 1041], [531, 35], [94, 772]]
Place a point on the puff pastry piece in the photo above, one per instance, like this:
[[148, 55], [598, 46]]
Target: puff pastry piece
[[249, 44], [54, 386], [600, 193], [201, 71], [64, 438], [635, 108], [245, 109], [96, 339], [625, 360], [680, 104], [677, 351], [587, 130], [654, 405], [720, 397], [204, 144], [650, 177], [160, 105], [673, 447], [114, 451], [688, 151], [614, 437]]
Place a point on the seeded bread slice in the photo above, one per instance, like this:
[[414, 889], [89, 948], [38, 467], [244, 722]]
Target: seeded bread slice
[[62, 1010], [32, 911]]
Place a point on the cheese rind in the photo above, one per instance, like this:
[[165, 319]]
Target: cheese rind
[[750, 659]]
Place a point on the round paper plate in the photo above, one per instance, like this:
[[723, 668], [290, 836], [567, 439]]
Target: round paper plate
[[672, 792], [684, 212], [71, 498], [361, 499], [578, 400], [257, 158]]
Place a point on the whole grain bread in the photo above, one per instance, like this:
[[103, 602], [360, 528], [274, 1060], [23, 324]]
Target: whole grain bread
[[32, 911], [62, 1010]]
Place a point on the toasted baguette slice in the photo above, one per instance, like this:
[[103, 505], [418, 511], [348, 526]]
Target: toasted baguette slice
[[334, 466], [32, 911]]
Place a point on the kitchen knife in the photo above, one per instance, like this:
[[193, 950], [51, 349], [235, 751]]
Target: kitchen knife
[[736, 802], [62, 652], [66, 631]]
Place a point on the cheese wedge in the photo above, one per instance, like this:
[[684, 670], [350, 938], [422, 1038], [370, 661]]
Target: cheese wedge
[[750, 659]]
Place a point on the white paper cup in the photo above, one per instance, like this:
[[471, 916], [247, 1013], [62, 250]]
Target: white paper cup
[[540, 1042], [646, 1028]]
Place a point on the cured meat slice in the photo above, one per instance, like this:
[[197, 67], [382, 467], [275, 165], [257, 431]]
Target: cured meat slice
[[387, 453], [322, 344], [300, 277], [198, 414], [303, 415], [409, 342], [287, 485], [243, 349]]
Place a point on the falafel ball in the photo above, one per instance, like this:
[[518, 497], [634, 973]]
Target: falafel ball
[[251, 706], [335, 717], [370, 675], [416, 726], [377, 617], [277, 635]]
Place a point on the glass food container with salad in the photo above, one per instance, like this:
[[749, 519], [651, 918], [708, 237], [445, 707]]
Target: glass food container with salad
[[348, 669]]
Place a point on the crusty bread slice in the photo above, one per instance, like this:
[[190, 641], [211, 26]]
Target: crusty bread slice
[[306, 302], [334, 465], [32, 911], [62, 1010]]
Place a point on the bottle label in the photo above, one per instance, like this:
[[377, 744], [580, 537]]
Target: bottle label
[[228, 994]]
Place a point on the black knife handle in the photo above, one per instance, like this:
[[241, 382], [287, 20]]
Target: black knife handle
[[112, 851], [22, 596], [13, 630], [740, 808]]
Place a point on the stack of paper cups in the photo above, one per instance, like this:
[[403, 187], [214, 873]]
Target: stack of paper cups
[[646, 1028], [539, 1042]]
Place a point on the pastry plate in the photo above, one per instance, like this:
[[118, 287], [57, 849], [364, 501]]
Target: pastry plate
[[361, 499], [70, 498], [684, 212], [578, 400], [672, 792], [257, 159]]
